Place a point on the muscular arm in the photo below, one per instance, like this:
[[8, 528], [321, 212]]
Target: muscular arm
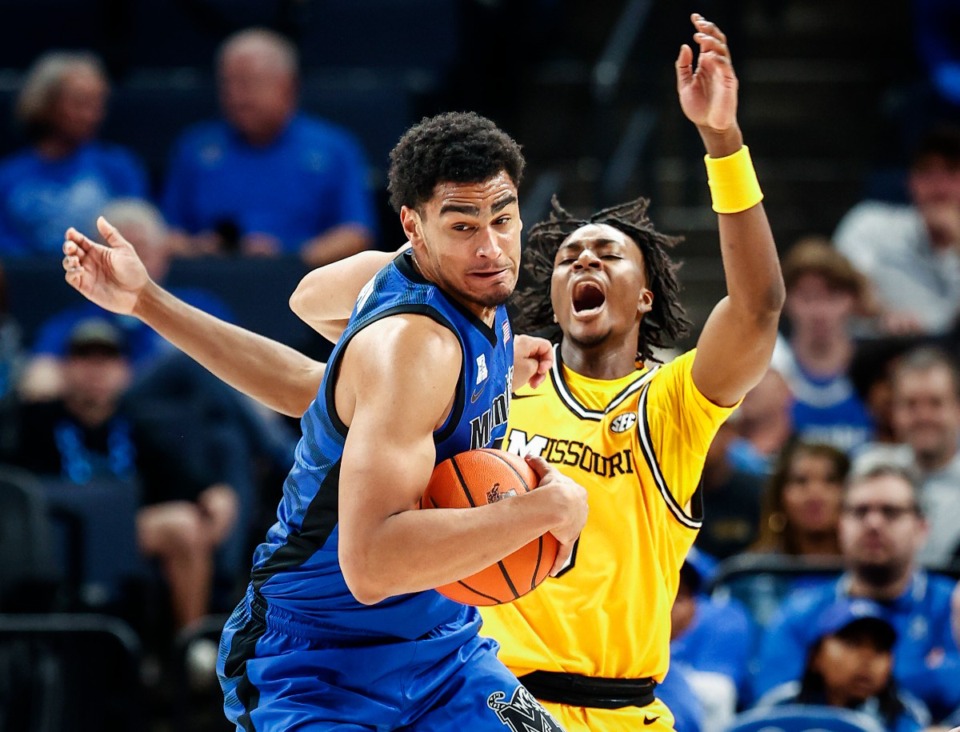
[[113, 277], [325, 297], [748, 316], [276, 375], [388, 546]]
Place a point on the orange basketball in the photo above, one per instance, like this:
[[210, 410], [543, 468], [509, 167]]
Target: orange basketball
[[475, 478]]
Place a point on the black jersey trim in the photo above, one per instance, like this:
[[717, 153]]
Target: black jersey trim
[[572, 403], [404, 263], [646, 447], [319, 520]]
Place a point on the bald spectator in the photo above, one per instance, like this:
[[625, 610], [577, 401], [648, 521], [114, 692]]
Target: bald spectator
[[267, 179], [65, 176], [145, 228]]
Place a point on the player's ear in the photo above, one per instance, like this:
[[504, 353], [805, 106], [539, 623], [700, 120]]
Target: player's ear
[[645, 301], [412, 224]]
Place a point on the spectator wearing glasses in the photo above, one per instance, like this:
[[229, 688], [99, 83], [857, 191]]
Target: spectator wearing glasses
[[882, 529]]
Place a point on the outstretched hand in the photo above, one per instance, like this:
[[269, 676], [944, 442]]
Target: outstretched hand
[[110, 275], [708, 91]]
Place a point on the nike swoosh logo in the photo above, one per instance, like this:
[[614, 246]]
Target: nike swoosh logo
[[477, 394], [649, 720]]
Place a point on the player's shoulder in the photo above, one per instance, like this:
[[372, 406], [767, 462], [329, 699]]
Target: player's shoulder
[[413, 337]]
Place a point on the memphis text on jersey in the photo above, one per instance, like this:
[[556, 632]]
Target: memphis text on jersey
[[484, 427]]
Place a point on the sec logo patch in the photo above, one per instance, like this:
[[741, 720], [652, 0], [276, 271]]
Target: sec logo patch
[[623, 422]]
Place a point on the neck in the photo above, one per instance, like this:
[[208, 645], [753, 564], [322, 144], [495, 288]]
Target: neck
[[823, 543], [823, 355], [932, 462], [891, 590], [55, 148], [487, 314], [90, 414], [605, 360]]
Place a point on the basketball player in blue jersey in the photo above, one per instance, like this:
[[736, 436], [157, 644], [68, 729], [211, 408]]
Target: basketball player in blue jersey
[[339, 628]]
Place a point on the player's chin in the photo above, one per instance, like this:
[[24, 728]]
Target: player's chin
[[493, 293]]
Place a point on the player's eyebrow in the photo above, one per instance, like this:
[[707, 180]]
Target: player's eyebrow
[[469, 209], [503, 203]]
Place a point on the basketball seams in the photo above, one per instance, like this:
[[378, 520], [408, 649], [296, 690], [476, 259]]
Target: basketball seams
[[506, 461], [493, 600], [462, 482]]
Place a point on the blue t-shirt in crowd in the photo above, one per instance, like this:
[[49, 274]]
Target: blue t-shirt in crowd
[[312, 178], [925, 650], [676, 692], [719, 640], [40, 198], [142, 342]]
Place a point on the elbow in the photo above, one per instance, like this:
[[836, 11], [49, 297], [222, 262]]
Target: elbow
[[365, 587], [296, 302], [776, 295]]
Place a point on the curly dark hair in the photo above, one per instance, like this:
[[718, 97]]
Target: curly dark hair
[[667, 320], [460, 147]]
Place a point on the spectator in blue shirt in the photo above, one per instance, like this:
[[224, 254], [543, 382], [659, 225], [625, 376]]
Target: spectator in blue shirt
[[850, 665], [145, 228], [882, 529], [66, 175], [711, 642], [266, 179]]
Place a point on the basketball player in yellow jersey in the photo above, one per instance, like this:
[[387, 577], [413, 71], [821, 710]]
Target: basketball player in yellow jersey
[[593, 642]]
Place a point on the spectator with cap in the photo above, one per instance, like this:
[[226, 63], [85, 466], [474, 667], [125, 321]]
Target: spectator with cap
[[187, 511], [882, 529], [66, 175], [267, 179], [850, 665], [711, 641]]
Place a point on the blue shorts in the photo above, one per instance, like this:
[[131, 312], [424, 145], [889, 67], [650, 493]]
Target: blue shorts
[[279, 673]]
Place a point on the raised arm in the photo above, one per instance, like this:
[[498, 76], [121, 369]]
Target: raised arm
[[113, 277], [395, 388], [325, 297], [736, 343]]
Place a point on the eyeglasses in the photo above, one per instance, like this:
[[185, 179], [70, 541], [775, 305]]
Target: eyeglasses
[[889, 512]]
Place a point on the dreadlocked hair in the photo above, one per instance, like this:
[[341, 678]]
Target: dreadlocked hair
[[667, 320]]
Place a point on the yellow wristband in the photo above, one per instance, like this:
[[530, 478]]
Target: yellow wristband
[[733, 182]]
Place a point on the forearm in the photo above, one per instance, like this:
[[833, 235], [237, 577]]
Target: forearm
[[751, 265], [325, 297], [418, 550], [274, 374]]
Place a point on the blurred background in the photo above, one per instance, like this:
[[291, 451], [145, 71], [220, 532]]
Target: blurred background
[[204, 155]]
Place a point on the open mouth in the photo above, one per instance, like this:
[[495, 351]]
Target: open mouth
[[587, 296]]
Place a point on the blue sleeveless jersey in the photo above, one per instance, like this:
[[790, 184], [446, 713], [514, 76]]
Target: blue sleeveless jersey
[[297, 567]]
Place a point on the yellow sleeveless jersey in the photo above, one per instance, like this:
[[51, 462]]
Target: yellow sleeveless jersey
[[637, 444]]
